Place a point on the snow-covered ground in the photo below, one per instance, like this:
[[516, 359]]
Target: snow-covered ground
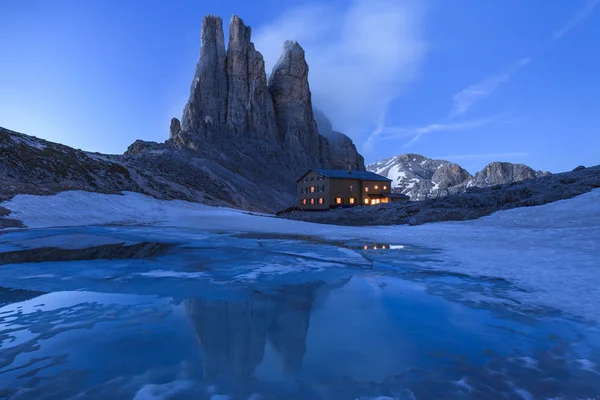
[[548, 253]]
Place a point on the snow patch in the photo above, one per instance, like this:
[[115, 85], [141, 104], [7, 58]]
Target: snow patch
[[161, 392], [28, 141]]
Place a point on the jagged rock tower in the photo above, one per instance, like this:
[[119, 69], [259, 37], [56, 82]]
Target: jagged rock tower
[[234, 110]]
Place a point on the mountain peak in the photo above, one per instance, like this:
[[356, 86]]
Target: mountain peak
[[420, 177]]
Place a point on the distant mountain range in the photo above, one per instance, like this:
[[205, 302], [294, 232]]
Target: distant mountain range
[[420, 177]]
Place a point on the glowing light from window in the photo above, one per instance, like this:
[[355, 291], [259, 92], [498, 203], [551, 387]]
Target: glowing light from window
[[338, 200], [376, 187], [366, 201]]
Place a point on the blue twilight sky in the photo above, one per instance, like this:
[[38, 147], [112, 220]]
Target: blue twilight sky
[[471, 81]]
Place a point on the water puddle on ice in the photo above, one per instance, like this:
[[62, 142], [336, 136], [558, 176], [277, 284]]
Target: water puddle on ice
[[274, 317]]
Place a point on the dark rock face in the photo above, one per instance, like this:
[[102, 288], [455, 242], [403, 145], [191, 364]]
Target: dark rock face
[[289, 89], [422, 178], [207, 106], [232, 334], [263, 130]]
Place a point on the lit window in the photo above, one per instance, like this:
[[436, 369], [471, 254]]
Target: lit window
[[366, 201], [366, 247], [320, 200], [312, 201], [385, 188], [303, 201], [338, 200], [367, 189], [376, 187], [383, 247], [352, 200], [312, 189], [352, 188]]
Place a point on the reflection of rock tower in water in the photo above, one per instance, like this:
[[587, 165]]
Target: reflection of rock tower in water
[[232, 334]]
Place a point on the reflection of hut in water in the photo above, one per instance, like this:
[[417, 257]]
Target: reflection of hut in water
[[377, 246], [232, 333]]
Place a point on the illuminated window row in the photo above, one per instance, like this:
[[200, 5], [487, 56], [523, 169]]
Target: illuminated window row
[[313, 201], [340, 200], [376, 187]]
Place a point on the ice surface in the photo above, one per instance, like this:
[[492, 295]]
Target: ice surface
[[547, 254]]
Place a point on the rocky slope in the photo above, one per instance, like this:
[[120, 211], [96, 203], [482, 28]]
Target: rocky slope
[[474, 203], [242, 140], [421, 178], [29, 165]]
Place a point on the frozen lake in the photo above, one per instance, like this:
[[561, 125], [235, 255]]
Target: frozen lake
[[129, 297], [174, 313]]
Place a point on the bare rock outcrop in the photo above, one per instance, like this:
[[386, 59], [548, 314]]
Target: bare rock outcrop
[[263, 130], [291, 96], [207, 107], [450, 175], [175, 128], [499, 173], [249, 105]]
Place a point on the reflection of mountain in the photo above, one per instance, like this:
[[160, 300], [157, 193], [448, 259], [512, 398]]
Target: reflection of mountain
[[9, 296], [233, 333]]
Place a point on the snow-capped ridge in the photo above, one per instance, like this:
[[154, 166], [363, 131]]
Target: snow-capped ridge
[[420, 177]]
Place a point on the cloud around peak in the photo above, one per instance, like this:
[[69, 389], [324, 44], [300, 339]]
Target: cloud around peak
[[359, 57]]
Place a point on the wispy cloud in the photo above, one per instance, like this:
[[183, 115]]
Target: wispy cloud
[[417, 133], [484, 156], [379, 128], [464, 100], [585, 12], [359, 57]]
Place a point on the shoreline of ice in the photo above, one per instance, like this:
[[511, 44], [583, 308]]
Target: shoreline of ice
[[550, 252]]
